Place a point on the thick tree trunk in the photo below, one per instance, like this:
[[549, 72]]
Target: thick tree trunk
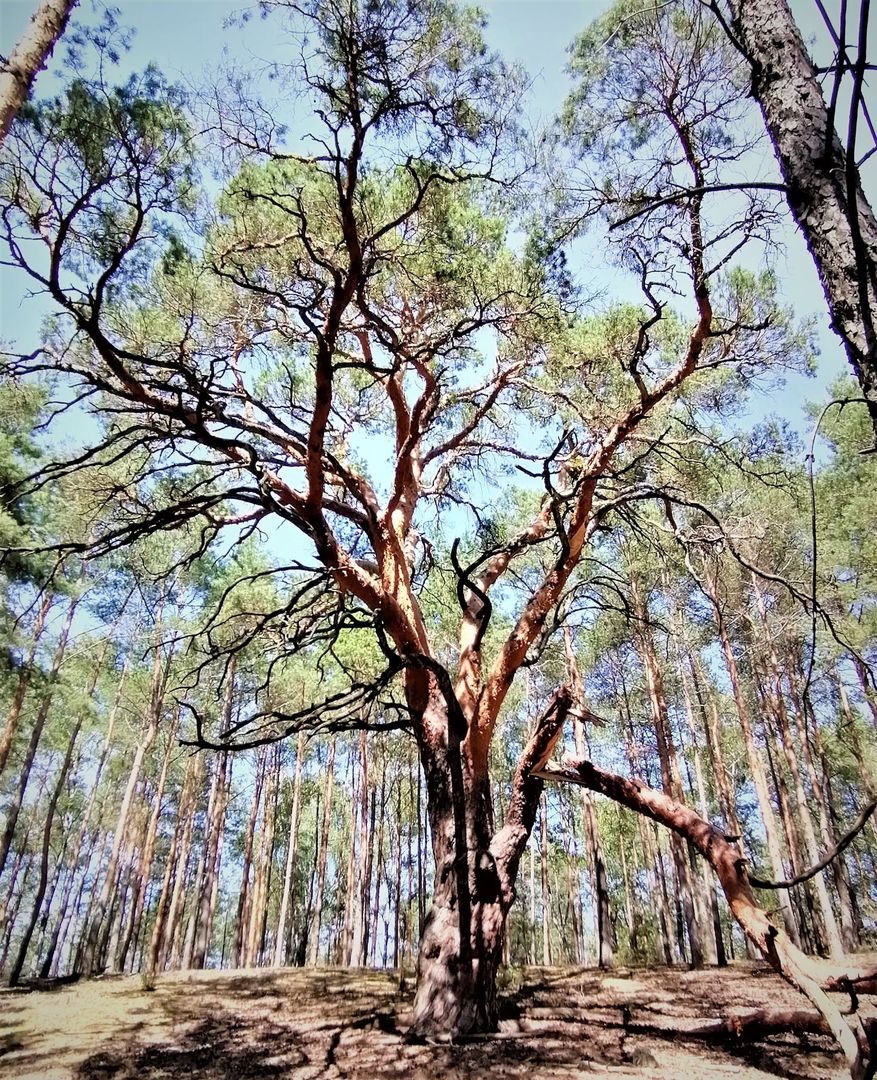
[[461, 943], [823, 187]]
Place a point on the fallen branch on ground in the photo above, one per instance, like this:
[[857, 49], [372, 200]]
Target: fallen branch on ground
[[857, 1040]]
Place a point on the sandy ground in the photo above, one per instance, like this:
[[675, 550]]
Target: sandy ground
[[260, 1025]]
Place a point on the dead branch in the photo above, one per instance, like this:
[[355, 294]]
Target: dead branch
[[804, 972], [839, 848]]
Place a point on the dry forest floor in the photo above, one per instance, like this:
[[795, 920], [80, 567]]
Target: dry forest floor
[[333, 1024]]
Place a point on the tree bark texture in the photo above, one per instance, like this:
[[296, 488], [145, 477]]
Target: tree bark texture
[[29, 57], [823, 187]]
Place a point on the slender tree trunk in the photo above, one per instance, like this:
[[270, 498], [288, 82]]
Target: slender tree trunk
[[670, 777], [630, 909], [56, 939], [546, 884], [14, 908], [14, 808], [213, 858], [602, 915], [348, 902], [379, 863], [752, 756], [202, 882], [708, 907], [262, 925], [409, 911], [94, 951], [98, 931], [397, 899], [868, 689], [146, 858], [360, 902], [241, 942], [823, 185], [259, 898], [368, 930], [322, 858], [12, 881], [24, 677], [654, 867], [45, 853], [291, 856], [777, 704], [101, 844], [185, 807]]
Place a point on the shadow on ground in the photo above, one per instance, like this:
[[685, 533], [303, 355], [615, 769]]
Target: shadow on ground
[[337, 1024]]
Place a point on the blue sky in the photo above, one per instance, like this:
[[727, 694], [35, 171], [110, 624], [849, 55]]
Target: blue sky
[[187, 38]]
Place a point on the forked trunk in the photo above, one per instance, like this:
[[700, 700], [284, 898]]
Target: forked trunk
[[475, 872], [461, 943]]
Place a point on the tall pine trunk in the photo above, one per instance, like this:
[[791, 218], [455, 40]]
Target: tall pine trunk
[[600, 889], [291, 857], [322, 860], [671, 781], [822, 183], [14, 808], [24, 677], [756, 767]]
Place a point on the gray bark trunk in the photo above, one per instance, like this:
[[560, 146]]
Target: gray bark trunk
[[824, 189]]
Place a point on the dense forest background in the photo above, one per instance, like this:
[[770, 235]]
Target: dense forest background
[[312, 850]]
